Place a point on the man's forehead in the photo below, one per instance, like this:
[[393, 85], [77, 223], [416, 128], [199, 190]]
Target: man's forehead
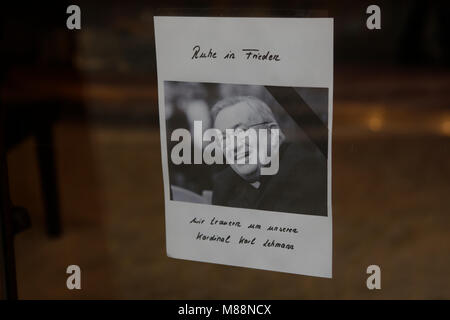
[[239, 113]]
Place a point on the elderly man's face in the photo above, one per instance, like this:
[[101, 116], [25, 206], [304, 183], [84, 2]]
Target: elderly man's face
[[242, 116]]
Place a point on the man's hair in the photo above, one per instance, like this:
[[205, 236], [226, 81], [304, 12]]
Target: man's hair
[[256, 104]]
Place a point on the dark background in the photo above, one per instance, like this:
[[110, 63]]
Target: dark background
[[82, 138]]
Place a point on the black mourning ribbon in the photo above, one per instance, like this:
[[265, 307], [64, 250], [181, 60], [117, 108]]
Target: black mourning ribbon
[[303, 115]]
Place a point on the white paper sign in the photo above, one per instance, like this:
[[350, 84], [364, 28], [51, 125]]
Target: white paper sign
[[246, 119]]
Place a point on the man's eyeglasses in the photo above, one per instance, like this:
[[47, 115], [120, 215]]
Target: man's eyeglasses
[[243, 128]]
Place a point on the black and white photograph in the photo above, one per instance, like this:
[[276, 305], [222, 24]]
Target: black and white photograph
[[296, 177]]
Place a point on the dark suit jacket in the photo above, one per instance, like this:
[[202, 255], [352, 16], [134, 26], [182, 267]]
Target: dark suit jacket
[[300, 186]]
